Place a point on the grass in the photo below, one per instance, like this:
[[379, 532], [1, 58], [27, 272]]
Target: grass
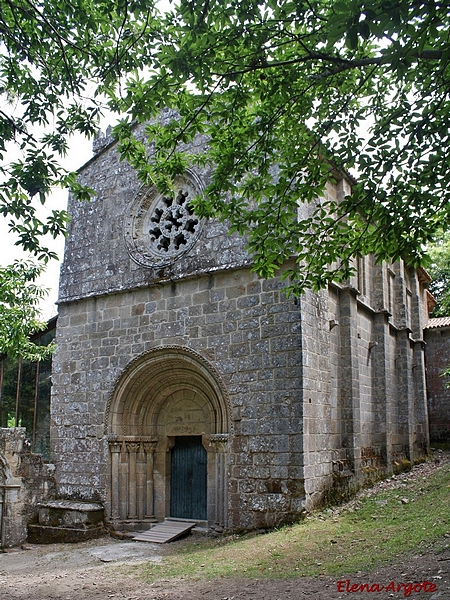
[[379, 529]]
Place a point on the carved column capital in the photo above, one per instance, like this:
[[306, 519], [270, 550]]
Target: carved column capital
[[219, 441], [133, 447], [115, 446], [150, 447], [170, 443]]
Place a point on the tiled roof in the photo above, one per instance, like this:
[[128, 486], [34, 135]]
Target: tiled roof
[[438, 322]]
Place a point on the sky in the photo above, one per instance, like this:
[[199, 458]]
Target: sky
[[80, 152]]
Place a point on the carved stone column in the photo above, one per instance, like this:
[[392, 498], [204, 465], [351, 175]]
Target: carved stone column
[[115, 448], [149, 449], [141, 479], [219, 441], [132, 450]]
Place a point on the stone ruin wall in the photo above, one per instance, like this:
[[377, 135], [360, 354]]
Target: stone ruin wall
[[25, 481]]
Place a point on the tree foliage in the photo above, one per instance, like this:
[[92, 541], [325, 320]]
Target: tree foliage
[[55, 59], [19, 311], [439, 269], [289, 93], [56, 56]]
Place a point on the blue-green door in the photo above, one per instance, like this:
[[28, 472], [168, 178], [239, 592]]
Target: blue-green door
[[188, 478]]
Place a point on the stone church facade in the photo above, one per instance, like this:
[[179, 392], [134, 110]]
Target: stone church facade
[[186, 386]]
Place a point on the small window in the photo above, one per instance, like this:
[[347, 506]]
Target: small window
[[391, 289], [408, 307], [361, 274]]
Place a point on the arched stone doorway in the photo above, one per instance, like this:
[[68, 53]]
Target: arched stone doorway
[[166, 399]]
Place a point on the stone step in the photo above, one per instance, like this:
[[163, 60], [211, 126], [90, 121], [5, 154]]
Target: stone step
[[44, 534], [69, 513], [67, 521]]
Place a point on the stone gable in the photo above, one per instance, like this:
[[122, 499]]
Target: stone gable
[[102, 250]]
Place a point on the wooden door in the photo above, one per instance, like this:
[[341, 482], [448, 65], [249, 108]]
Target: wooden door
[[188, 478]]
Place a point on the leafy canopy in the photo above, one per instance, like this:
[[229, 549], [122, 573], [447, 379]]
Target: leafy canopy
[[289, 94], [439, 269], [56, 57], [19, 311]]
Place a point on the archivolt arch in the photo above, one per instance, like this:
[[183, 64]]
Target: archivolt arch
[[163, 396], [162, 376]]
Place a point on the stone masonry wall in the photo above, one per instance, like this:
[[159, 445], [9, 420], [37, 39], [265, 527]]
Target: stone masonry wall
[[113, 309], [437, 352], [317, 408], [96, 259], [244, 327], [25, 480], [378, 422], [309, 382]]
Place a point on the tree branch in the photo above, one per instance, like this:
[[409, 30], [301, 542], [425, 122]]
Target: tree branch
[[343, 63]]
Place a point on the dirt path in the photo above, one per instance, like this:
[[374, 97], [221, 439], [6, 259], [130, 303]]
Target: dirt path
[[102, 570]]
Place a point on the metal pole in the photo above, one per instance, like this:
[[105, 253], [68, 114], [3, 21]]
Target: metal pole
[[36, 389], [19, 372]]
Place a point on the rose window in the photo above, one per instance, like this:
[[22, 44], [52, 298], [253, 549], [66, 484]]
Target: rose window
[[159, 228], [173, 224]]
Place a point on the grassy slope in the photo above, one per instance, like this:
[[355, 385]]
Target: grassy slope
[[381, 528]]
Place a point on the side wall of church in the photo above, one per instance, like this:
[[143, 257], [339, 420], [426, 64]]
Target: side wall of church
[[378, 388], [363, 377], [364, 351]]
